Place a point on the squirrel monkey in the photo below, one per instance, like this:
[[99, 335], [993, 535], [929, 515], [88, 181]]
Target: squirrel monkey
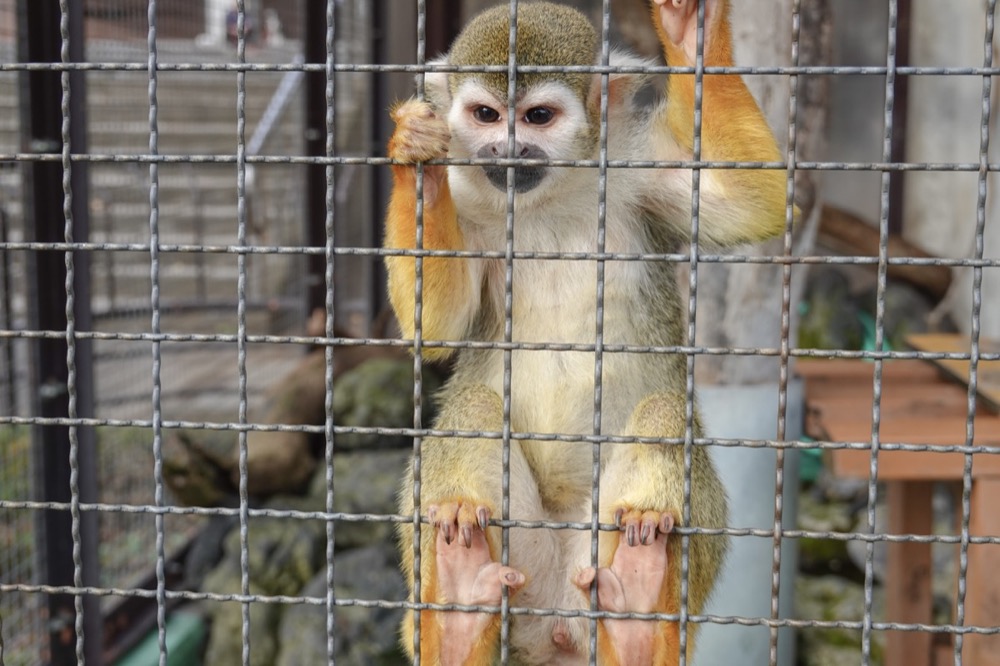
[[555, 301]]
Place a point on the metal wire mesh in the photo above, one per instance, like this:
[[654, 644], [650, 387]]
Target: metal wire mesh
[[152, 339]]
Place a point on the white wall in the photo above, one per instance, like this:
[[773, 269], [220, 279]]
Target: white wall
[[943, 126]]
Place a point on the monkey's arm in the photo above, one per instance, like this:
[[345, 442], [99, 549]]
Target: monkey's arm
[[737, 205], [450, 285]]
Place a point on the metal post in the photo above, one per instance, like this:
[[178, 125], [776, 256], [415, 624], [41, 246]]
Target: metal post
[[314, 40], [41, 119], [899, 118], [394, 40], [7, 309]]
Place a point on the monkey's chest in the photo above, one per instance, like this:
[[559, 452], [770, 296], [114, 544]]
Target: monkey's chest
[[555, 315]]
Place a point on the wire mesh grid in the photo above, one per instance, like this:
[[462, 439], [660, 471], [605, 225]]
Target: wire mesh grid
[[18, 587]]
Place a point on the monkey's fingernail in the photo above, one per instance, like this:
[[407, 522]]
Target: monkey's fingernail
[[467, 536], [630, 535], [483, 515], [644, 536], [618, 517], [667, 524], [447, 534]]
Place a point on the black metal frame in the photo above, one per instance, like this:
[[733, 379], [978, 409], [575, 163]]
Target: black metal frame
[[42, 97]]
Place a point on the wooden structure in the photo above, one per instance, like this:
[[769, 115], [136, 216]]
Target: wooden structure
[[918, 406]]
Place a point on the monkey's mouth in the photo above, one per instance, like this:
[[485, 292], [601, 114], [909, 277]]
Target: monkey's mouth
[[525, 178]]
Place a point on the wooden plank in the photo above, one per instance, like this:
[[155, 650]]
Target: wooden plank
[[917, 407], [983, 590], [908, 573], [914, 466], [988, 380]]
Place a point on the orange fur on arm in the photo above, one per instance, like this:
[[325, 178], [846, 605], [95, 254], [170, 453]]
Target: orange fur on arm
[[733, 129], [446, 287]]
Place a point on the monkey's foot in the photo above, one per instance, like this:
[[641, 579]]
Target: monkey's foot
[[679, 19], [466, 575], [633, 583]]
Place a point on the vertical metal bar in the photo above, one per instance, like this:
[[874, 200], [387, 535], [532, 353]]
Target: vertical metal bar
[[314, 38], [154, 279], [689, 415], [381, 129], [443, 25], [55, 206], [602, 216], [70, 306], [900, 109], [786, 308], [418, 339], [883, 258], [241, 320], [7, 306], [393, 40], [508, 327], [974, 350], [330, 218]]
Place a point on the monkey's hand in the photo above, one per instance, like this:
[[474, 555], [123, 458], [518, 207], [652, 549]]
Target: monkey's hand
[[421, 135], [636, 581], [679, 21]]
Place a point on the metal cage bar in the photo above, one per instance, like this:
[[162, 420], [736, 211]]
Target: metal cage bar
[[75, 334]]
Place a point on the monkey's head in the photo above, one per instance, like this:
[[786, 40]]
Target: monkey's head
[[555, 111]]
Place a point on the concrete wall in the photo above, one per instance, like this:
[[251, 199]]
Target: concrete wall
[[944, 126]]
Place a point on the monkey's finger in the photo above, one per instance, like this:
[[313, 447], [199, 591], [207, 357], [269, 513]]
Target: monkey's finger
[[666, 523], [647, 533], [443, 517], [610, 593], [469, 518], [483, 515], [511, 578]]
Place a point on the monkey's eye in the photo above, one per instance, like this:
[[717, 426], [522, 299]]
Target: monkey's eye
[[539, 115], [485, 114]]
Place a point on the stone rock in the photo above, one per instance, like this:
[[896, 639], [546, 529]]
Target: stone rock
[[225, 639], [207, 550], [833, 598], [361, 635], [197, 464], [363, 483], [907, 310], [820, 516], [380, 393], [829, 313], [832, 488]]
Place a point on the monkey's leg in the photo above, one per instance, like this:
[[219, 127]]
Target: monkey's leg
[[460, 491], [642, 489]]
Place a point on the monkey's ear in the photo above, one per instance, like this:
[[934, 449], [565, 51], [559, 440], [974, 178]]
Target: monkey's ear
[[436, 88], [622, 86]]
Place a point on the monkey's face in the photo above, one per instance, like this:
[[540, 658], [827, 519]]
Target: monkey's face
[[551, 123]]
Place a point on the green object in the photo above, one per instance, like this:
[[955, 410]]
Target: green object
[[810, 463], [185, 639]]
